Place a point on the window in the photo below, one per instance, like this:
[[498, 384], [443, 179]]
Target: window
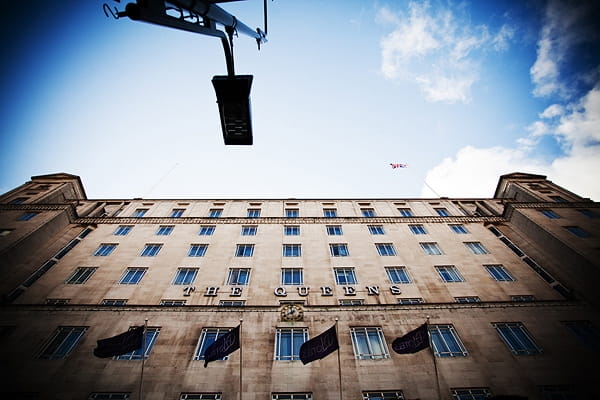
[[459, 229], [476, 248], [417, 229], [368, 343], [253, 212], [207, 338], [206, 230], [589, 213], [57, 302], [151, 335], [292, 213], [232, 303], [330, 212], [249, 230], [292, 250], [367, 212], [200, 396], [291, 396], [516, 337], [376, 230], [345, 276], [292, 276], [151, 250], [18, 200], [62, 342], [105, 249], [397, 274], [238, 276], [291, 230], [108, 395], [499, 273], [550, 214], [470, 394], [558, 392], [288, 342], [123, 230], [172, 303], [334, 230], [405, 212], [244, 250], [132, 276], [387, 395], [442, 212], [449, 273], [215, 212], [177, 212], [140, 212], [339, 250], [558, 199], [410, 300], [446, 342], [114, 302], [165, 230], [351, 302], [522, 297], [587, 333], [185, 276], [431, 248], [197, 250], [27, 216], [467, 299], [5, 232], [80, 276], [577, 231]]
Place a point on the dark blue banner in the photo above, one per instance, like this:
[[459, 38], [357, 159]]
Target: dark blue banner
[[223, 346], [320, 346], [412, 342], [121, 344]]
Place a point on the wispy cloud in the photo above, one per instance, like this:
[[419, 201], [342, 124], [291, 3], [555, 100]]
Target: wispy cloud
[[437, 49]]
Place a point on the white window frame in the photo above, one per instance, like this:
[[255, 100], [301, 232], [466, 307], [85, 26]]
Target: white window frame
[[295, 346], [375, 342]]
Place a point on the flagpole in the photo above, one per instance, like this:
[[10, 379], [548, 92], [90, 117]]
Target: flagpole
[[437, 378], [241, 320], [338, 357], [143, 356]]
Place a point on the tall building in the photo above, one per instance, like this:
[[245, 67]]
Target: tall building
[[508, 286]]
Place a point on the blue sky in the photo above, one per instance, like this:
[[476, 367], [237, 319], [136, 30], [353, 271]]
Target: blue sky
[[461, 91]]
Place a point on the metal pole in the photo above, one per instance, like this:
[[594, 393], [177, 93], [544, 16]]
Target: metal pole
[[143, 356], [437, 378], [241, 320], [338, 357]]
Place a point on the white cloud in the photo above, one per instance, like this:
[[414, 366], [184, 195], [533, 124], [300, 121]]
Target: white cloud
[[552, 111], [437, 50]]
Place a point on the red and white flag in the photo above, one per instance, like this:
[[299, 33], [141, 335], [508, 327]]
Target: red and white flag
[[394, 166]]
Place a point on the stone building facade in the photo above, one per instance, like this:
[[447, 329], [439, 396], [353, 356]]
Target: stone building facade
[[508, 285]]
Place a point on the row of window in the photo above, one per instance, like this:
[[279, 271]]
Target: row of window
[[290, 275], [575, 230], [368, 343], [289, 250]]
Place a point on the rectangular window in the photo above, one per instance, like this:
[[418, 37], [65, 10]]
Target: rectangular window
[[334, 230], [288, 342], [442, 212], [330, 212], [577, 231], [405, 212], [368, 343], [367, 212], [339, 250], [206, 230], [476, 248], [207, 337], [80, 276], [351, 302], [292, 250], [177, 212], [516, 338], [109, 395], [558, 199], [62, 342], [397, 274], [200, 396], [249, 230], [105, 249], [185, 276], [232, 303], [468, 299], [345, 276], [558, 392], [376, 230], [431, 248], [292, 213], [140, 212], [114, 302], [151, 335], [417, 229], [172, 303], [499, 273], [123, 230], [27, 216], [470, 394], [387, 395], [215, 212], [165, 230], [589, 213], [410, 300], [18, 200], [244, 250], [253, 213], [57, 302], [238, 276], [151, 250], [458, 228], [291, 230], [132, 276], [5, 232], [446, 342], [197, 250], [587, 333], [291, 396], [449, 273], [550, 214], [292, 276], [522, 297]]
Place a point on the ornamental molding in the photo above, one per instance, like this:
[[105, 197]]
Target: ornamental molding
[[552, 204]]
